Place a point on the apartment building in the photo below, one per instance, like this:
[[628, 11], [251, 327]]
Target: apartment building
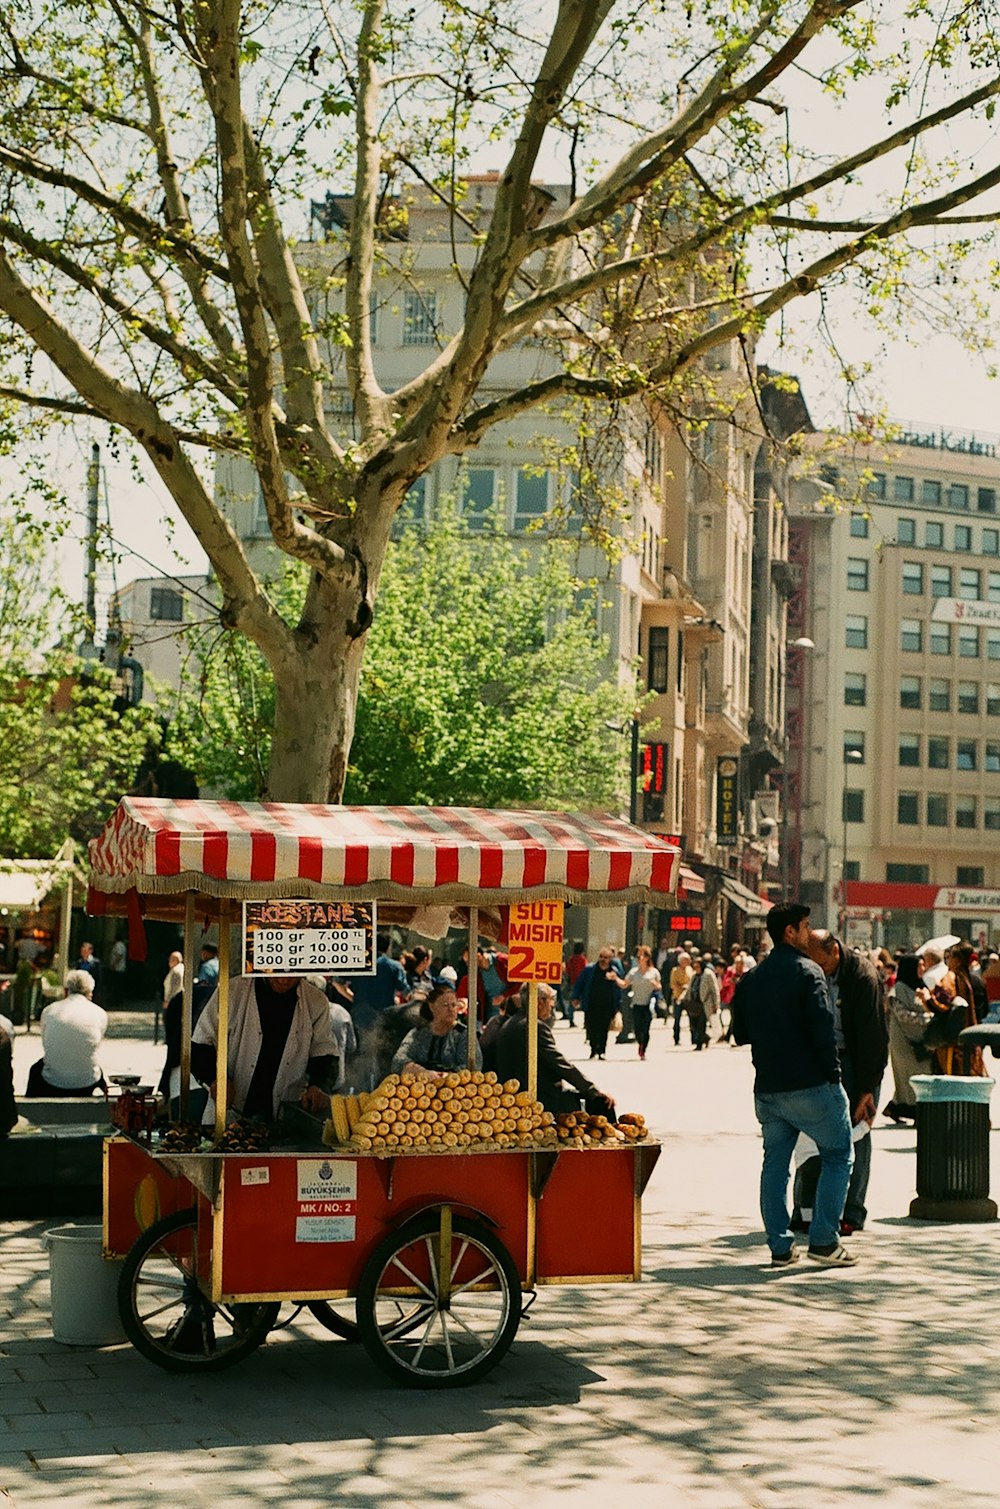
[[153, 617], [900, 716]]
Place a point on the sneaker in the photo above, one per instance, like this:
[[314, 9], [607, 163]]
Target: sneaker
[[785, 1259], [836, 1256]]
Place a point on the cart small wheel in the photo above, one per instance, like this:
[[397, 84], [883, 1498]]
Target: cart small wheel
[[166, 1316], [439, 1302]]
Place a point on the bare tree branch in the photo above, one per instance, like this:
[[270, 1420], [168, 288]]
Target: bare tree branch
[[369, 400], [146, 230], [219, 39]]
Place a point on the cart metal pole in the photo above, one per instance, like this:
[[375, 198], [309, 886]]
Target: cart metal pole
[[222, 1037], [472, 973], [186, 1006], [532, 1085]]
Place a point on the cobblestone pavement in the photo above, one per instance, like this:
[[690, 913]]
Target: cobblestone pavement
[[715, 1384]]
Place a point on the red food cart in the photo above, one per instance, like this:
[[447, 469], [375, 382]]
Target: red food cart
[[424, 1254]]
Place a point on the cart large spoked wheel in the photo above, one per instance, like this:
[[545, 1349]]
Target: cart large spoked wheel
[[166, 1316], [439, 1301]]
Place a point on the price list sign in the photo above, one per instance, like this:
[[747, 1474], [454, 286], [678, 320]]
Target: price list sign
[[291, 937]]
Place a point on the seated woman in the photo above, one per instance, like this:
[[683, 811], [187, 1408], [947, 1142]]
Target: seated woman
[[440, 1044]]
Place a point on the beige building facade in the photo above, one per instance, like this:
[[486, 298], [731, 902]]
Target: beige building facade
[[899, 718]]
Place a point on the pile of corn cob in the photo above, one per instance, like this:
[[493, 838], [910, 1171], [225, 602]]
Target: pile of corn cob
[[459, 1110]]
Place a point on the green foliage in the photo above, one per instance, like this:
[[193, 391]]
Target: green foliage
[[67, 749], [484, 683]]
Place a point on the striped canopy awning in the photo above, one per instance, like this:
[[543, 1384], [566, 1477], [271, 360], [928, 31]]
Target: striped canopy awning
[[418, 855]]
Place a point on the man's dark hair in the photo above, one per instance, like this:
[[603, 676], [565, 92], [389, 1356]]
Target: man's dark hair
[[785, 914], [383, 942]]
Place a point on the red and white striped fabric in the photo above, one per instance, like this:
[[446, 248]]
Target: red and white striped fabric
[[446, 854]]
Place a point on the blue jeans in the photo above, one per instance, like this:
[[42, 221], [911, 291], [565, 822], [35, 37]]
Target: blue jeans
[[822, 1112]]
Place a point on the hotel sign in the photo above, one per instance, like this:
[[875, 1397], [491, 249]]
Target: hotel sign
[[727, 780], [958, 610]]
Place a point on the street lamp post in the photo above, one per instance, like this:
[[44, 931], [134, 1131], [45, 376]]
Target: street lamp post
[[856, 756]]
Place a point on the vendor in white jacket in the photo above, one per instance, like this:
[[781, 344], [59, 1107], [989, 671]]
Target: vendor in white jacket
[[281, 1046]]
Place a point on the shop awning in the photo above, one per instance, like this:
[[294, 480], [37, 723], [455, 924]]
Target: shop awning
[[25, 883], [419, 855], [748, 901], [688, 881]]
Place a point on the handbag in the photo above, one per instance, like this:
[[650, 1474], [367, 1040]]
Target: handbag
[[945, 1025]]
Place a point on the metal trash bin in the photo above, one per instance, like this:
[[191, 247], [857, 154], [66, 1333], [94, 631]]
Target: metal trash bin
[[953, 1148], [84, 1288]]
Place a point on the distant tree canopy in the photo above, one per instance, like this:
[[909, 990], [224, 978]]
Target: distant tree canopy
[[485, 683], [68, 748]]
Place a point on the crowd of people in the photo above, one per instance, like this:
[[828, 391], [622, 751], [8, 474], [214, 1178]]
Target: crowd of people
[[302, 1038]]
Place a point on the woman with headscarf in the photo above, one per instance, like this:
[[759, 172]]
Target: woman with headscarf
[[907, 1019]]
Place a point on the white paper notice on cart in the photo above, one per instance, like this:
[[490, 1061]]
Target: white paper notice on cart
[[327, 1191]]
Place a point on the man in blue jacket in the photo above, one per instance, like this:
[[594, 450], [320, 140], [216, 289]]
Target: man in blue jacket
[[781, 1009]]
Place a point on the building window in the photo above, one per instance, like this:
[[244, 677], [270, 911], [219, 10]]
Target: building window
[[968, 583], [970, 875], [986, 499], [930, 493], [857, 574], [419, 318], [993, 586], [680, 662], [907, 811], [991, 756], [658, 657], [856, 632], [909, 691], [940, 581], [853, 810], [854, 747], [991, 813], [940, 639], [968, 642], [993, 699], [900, 874], [965, 754], [876, 487], [938, 695], [965, 812], [532, 497], [937, 809], [852, 869], [968, 696], [166, 605], [991, 542], [934, 534], [902, 489], [859, 526], [478, 495], [937, 752], [911, 634], [909, 749], [993, 644], [958, 495], [855, 689], [913, 579], [906, 532], [963, 537]]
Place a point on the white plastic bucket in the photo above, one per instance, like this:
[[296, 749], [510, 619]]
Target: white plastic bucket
[[84, 1288]]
